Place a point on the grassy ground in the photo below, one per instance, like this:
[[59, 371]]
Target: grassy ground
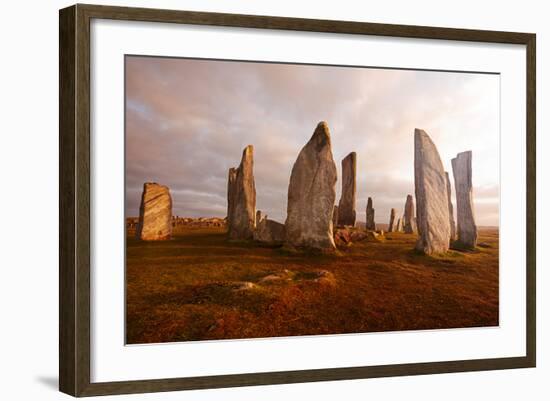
[[198, 287]]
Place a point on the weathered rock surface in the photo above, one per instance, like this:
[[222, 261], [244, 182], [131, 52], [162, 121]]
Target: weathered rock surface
[[346, 206], [451, 210], [342, 237], [311, 194], [409, 221], [155, 213], [393, 221], [269, 231], [335, 217], [347, 235], [241, 198], [432, 209], [370, 225], [466, 225]]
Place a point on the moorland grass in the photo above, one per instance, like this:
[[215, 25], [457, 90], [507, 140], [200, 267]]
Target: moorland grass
[[199, 286]]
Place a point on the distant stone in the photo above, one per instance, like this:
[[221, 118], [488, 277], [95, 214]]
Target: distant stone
[[451, 211], [260, 216], [269, 232], [241, 198], [409, 221], [311, 194], [155, 213], [432, 209], [466, 225], [370, 225], [399, 225], [375, 236], [392, 227], [346, 206]]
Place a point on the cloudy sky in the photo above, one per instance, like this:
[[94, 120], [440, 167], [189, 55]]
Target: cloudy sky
[[187, 122]]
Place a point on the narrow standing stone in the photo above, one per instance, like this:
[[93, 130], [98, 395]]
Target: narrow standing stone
[[393, 221], [451, 210], [466, 225], [371, 225], [155, 213], [432, 209], [409, 221], [241, 198], [346, 206], [311, 194], [399, 225]]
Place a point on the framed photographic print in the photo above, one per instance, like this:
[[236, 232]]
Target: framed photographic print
[[250, 200]]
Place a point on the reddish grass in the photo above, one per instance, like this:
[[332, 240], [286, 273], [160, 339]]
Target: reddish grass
[[188, 288]]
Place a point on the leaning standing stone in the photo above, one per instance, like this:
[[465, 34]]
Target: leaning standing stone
[[451, 210], [409, 221], [311, 194], [155, 213], [346, 207], [371, 225], [432, 209], [466, 225], [241, 198]]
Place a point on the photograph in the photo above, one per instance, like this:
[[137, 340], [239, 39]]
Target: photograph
[[268, 199]]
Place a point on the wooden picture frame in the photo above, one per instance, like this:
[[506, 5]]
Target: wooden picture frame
[[74, 204]]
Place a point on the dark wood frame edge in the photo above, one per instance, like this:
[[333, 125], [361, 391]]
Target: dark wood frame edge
[[74, 199]]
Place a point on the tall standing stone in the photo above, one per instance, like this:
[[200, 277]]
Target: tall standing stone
[[370, 225], [409, 221], [155, 213], [241, 198], [346, 206], [311, 194], [393, 221], [451, 209], [466, 225], [432, 209]]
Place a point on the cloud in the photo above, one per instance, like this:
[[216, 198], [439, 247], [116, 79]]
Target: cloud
[[187, 122]]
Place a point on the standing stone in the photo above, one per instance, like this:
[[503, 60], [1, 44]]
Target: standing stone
[[311, 194], [409, 221], [155, 213], [466, 225], [241, 198], [370, 225], [335, 217], [451, 210], [399, 225], [432, 209], [393, 221], [346, 206]]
